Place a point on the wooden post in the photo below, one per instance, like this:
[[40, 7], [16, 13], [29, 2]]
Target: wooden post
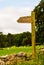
[[33, 34]]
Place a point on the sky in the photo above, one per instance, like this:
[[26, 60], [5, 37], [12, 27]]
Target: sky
[[11, 10]]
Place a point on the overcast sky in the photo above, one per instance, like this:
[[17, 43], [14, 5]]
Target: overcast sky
[[11, 10]]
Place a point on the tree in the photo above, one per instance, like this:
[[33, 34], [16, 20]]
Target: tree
[[39, 11], [9, 39], [1, 39], [26, 42], [26, 38]]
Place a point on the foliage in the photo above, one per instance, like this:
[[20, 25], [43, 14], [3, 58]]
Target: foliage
[[22, 39], [14, 39], [39, 11], [26, 42]]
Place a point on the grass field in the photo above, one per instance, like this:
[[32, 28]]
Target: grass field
[[13, 49], [10, 50]]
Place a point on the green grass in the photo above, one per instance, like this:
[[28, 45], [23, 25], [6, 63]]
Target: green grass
[[11, 50]]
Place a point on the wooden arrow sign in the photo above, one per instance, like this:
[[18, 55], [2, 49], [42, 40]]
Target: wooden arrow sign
[[30, 19], [25, 19]]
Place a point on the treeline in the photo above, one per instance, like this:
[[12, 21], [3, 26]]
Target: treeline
[[22, 39], [15, 39]]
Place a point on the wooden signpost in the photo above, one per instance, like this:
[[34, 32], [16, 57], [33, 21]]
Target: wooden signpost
[[30, 19]]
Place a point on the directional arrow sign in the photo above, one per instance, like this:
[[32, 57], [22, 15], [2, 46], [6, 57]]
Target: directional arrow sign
[[24, 19], [30, 19]]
